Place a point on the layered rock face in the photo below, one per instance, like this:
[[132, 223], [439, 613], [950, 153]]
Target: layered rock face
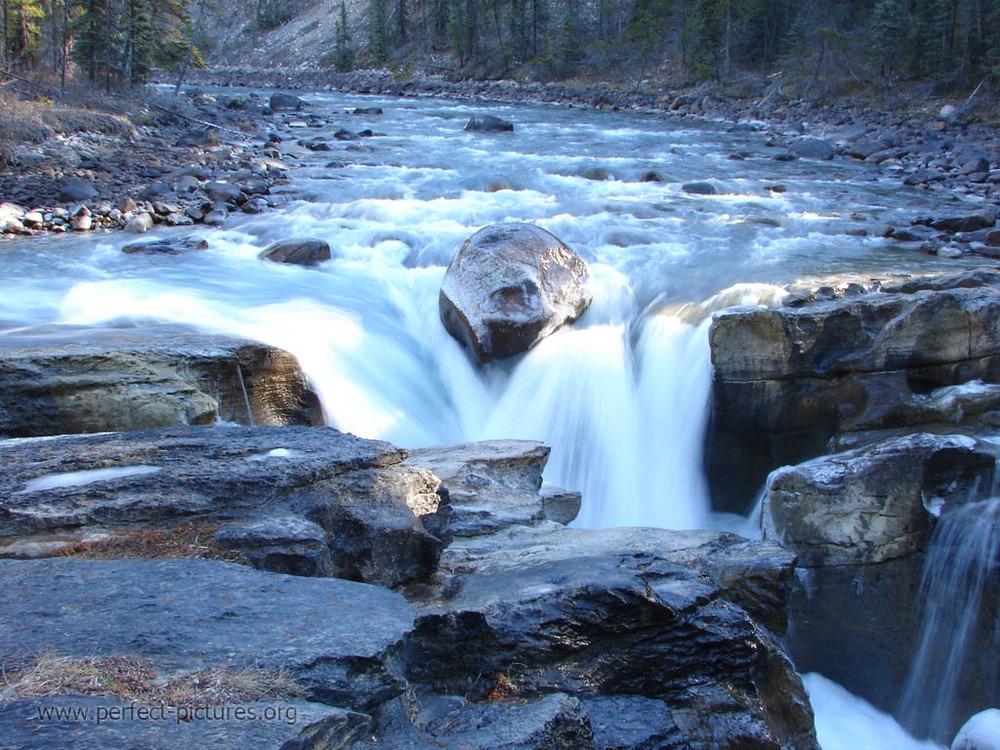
[[66, 379], [860, 522], [521, 634], [788, 380], [509, 286]]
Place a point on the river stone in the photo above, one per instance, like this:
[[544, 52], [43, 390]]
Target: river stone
[[980, 732], [859, 523], [186, 615], [303, 252], [66, 379], [223, 192], [199, 138], [74, 189], [166, 245], [622, 612], [700, 187], [280, 102], [297, 725], [367, 110], [812, 148], [140, 223], [488, 124], [269, 488], [509, 286], [965, 222], [787, 380]]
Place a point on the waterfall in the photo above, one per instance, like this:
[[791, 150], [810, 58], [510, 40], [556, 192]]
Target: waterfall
[[962, 562]]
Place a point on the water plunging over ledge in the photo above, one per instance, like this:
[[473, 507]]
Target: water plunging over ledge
[[961, 566]]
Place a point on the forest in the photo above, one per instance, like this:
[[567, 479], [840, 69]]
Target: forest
[[951, 44]]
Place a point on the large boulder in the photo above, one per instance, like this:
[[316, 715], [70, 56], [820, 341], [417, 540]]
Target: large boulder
[[860, 523], [488, 124], [658, 618], [307, 500], [787, 380], [509, 286], [67, 379], [280, 102]]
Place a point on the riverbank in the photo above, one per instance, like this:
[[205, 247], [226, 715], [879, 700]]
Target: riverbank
[[196, 158]]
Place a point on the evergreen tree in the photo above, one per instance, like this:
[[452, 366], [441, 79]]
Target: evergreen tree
[[377, 31], [343, 54]]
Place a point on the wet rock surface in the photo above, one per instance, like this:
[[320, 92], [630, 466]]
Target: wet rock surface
[[787, 380], [860, 523], [69, 379], [628, 613], [510, 285], [304, 252]]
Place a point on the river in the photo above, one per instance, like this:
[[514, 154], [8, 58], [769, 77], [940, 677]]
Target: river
[[622, 395]]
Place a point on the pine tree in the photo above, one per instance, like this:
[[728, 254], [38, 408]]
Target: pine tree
[[343, 54], [377, 32]]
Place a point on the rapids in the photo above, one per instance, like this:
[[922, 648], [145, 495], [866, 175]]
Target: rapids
[[621, 396]]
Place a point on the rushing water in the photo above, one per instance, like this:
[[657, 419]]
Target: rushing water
[[621, 396], [962, 561]]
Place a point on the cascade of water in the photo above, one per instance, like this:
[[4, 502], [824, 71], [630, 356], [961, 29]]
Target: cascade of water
[[962, 561]]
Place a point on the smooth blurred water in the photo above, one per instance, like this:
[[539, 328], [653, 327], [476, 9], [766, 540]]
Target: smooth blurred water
[[621, 396]]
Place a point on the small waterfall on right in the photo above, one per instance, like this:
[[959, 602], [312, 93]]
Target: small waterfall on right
[[960, 579]]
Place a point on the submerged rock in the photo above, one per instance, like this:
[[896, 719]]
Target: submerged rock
[[64, 379], [508, 287], [165, 246], [488, 124], [304, 252]]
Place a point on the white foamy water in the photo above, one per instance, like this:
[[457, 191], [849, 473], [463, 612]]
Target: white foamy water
[[846, 722]]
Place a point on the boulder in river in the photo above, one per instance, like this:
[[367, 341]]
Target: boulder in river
[[280, 102], [488, 124], [509, 286], [165, 245], [302, 252]]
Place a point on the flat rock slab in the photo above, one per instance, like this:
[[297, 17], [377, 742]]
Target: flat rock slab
[[283, 485], [58, 379], [79, 722], [341, 640]]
